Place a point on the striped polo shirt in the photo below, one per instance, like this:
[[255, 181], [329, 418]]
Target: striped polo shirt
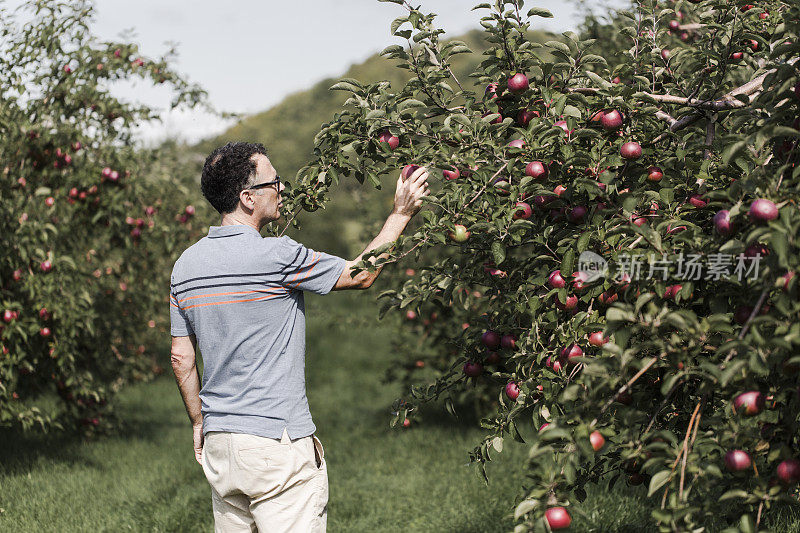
[[241, 295]]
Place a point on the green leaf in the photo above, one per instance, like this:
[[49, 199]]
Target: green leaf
[[568, 263], [539, 12], [498, 252], [558, 45], [410, 103], [734, 493], [396, 23], [657, 481], [347, 85], [732, 150]]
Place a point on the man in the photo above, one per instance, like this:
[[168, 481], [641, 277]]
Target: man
[[240, 296]]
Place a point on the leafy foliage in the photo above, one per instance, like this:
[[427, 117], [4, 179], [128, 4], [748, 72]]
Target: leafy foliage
[[90, 224], [707, 96]]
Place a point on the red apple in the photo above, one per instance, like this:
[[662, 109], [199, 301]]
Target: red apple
[[392, 141], [44, 314], [472, 369], [611, 120], [789, 471], [512, 390], [736, 56], [451, 174], [737, 460], [607, 298], [518, 83], [722, 222], [654, 174], [576, 214], [114, 176], [674, 25], [492, 358], [460, 234], [189, 210], [597, 339], [536, 170], [631, 151], [570, 352], [407, 171], [697, 201], [411, 315], [563, 125], [672, 291], [525, 116], [516, 143], [571, 303], [406, 423], [597, 440], [491, 339], [665, 54], [8, 315], [46, 266], [523, 211], [555, 280], [508, 342], [756, 249], [16, 275], [762, 210], [579, 280], [557, 518], [748, 403], [639, 221], [44, 332], [491, 92], [559, 189]]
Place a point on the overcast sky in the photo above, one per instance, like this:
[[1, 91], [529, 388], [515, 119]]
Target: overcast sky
[[250, 54]]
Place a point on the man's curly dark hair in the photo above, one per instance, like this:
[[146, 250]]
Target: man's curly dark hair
[[226, 172]]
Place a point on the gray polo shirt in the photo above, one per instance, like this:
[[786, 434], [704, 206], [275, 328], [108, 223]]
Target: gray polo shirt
[[242, 296]]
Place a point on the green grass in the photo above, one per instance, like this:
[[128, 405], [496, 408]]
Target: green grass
[[144, 478]]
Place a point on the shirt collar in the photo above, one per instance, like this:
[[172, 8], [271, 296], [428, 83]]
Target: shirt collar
[[231, 230]]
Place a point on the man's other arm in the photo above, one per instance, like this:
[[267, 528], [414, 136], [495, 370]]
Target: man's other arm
[[183, 360]]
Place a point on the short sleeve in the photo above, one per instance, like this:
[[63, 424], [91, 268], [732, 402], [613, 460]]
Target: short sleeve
[[307, 270], [180, 326]]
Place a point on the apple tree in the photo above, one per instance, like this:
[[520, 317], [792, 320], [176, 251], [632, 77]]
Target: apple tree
[[625, 203], [88, 238]]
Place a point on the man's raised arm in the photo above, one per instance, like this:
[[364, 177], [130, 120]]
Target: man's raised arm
[[407, 203]]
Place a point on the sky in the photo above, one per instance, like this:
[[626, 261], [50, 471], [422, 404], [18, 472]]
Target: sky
[[250, 54]]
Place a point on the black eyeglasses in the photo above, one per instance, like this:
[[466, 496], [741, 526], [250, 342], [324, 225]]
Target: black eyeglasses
[[268, 183]]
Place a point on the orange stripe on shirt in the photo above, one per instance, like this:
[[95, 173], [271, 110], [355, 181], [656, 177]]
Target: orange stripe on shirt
[[306, 276], [232, 301], [310, 265], [229, 293]]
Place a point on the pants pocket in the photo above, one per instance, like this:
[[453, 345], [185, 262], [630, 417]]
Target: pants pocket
[[319, 453]]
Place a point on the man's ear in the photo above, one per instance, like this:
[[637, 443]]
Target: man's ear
[[246, 198]]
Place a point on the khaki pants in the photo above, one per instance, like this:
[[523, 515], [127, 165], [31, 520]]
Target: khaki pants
[[266, 485]]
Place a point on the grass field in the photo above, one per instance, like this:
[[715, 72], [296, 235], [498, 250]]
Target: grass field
[[381, 479]]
